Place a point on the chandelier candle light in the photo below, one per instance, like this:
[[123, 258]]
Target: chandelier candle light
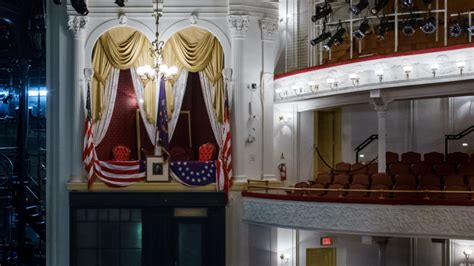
[[159, 70]]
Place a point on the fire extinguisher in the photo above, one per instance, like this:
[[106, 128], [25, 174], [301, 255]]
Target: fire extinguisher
[[282, 170]]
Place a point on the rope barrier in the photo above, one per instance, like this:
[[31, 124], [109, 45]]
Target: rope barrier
[[334, 169]]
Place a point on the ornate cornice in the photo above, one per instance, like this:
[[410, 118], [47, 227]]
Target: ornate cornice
[[269, 27], [238, 25], [364, 219], [77, 24]]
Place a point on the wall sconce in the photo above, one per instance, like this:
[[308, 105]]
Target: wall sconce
[[355, 79], [434, 68], [285, 257], [313, 87], [407, 70], [379, 73], [146, 73], [461, 66], [281, 93], [298, 91], [285, 119], [467, 254], [332, 83]]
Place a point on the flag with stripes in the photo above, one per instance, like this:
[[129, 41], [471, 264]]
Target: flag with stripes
[[112, 173], [226, 154]]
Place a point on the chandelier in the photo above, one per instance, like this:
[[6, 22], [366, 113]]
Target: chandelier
[[158, 70]]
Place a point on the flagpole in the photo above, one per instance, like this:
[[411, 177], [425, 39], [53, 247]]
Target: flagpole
[[137, 122]]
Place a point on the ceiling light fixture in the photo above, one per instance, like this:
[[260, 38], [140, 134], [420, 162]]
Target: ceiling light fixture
[[159, 70]]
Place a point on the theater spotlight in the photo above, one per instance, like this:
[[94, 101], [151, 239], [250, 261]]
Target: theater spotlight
[[383, 28], [429, 24], [322, 12], [324, 36], [120, 3], [470, 29], [80, 6], [379, 5], [337, 38], [364, 28], [356, 9], [455, 30], [408, 4], [409, 27]]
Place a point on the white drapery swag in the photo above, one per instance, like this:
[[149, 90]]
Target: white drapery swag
[[100, 127], [179, 88], [208, 92], [140, 93]]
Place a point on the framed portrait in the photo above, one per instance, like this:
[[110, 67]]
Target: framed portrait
[[157, 170]]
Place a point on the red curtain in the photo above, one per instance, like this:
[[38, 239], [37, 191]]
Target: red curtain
[[122, 128]]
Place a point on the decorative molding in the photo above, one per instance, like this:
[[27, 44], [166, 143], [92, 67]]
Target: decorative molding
[[193, 19], [227, 74], [363, 219], [77, 23], [122, 19], [269, 27], [88, 73], [238, 25]]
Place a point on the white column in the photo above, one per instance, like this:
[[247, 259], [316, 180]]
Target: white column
[[381, 115], [269, 27], [238, 25], [77, 24]]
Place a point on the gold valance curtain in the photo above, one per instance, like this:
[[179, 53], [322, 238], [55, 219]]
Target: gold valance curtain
[[121, 48], [196, 50]]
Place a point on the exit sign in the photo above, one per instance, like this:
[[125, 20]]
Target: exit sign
[[326, 241]]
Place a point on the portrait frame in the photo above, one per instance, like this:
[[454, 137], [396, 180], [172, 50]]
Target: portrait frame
[[157, 169]]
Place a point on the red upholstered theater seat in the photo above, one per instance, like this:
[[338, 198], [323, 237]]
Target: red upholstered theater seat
[[343, 167], [391, 157], [121, 153], [300, 185], [359, 168], [399, 169], [470, 182], [454, 180], [206, 152], [359, 181], [421, 168], [411, 157], [405, 182], [430, 182], [466, 169], [322, 181], [373, 169], [445, 169], [456, 183], [433, 158], [340, 181], [457, 158], [380, 181]]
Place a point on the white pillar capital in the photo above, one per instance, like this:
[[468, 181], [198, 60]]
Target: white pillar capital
[[269, 27], [78, 25], [238, 25]]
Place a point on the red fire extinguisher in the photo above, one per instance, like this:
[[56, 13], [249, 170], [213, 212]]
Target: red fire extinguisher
[[282, 170]]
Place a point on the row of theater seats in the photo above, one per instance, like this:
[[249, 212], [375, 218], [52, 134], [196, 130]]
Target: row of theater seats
[[410, 173]]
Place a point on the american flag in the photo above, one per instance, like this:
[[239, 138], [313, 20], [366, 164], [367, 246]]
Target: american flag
[[112, 173], [162, 120], [194, 173], [88, 148], [226, 154]]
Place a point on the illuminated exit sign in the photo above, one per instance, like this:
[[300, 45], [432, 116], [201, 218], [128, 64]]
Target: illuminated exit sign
[[326, 241]]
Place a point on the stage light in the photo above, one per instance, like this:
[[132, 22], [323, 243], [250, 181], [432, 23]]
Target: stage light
[[409, 27], [455, 30], [408, 4], [337, 38], [379, 5], [429, 24], [383, 28], [470, 29], [356, 9], [120, 3], [324, 36], [322, 12], [364, 28]]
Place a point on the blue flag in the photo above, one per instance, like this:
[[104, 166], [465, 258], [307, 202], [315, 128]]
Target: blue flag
[[162, 119]]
